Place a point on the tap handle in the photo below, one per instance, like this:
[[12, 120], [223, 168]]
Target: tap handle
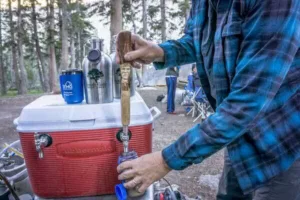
[[124, 46], [41, 141]]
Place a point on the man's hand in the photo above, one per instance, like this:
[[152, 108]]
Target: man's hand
[[145, 52], [142, 172]]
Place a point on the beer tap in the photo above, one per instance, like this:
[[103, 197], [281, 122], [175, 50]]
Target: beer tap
[[124, 46]]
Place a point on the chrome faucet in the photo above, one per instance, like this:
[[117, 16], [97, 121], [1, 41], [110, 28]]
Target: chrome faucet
[[41, 141]]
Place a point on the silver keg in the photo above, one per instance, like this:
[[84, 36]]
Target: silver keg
[[98, 78]]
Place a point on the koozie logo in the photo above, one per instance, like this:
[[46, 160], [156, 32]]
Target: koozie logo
[[68, 86]]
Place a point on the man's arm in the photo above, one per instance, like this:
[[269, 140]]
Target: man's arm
[[270, 42]]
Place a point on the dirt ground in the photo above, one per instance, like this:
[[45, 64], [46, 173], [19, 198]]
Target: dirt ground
[[196, 181]]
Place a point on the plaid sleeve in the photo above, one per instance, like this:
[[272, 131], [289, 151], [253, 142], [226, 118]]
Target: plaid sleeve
[[271, 35], [179, 52]]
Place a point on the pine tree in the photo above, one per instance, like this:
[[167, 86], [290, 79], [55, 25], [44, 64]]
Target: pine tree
[[145, 18], [80, 31], [45, 74], [163, 20], [64, 60], [23, 77], [14, 48], [2, 68], [51, 41], [116, 23]]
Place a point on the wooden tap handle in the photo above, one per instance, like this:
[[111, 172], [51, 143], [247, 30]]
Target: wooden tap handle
[[124, 46]]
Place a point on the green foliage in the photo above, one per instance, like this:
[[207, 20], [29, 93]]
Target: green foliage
[[100, 8], [78, 23], [78, 14], [13, 93], [175, 15]]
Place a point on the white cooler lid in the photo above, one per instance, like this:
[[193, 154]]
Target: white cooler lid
[[51, 113]]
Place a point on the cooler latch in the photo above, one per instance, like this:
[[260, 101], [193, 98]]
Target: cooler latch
[[42, 141]]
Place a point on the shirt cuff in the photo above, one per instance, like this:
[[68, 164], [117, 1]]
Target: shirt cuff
[[168, 61], [186, 150], [172, 159]]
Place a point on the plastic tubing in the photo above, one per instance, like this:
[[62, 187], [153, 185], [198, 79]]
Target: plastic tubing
[[18, 167], [10, 145], [18, 175]]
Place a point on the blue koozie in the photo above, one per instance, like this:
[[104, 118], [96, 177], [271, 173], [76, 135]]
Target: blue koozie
[[71, 84]]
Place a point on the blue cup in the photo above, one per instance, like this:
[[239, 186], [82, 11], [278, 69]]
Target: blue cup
[[71, 84]]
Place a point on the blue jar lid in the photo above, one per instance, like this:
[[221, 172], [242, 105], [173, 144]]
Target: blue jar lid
[[121, 192], [94, 55]]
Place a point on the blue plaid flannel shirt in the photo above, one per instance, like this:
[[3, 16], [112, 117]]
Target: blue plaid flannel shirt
[[256, 73]]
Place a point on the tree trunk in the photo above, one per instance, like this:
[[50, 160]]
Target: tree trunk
[[163, 20], [40, 72], [78, 44], [137, 72], [116, 24], [145, 26], [78, 51], [8, 61], [45, 78], [2, 68], [52, 59], [72, 48], [23, 80], [60, 32], [145, 19], [132, 16], [14, 48], [64, 61]]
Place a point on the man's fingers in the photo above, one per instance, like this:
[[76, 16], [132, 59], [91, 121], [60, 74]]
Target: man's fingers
[[143, 187], [133, 183], [133, 55], [127, 174], [145, 62], [136, 39], [124, 166], [136, 65]]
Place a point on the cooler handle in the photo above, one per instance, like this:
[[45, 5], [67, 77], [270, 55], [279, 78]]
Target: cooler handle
[[16, 121], [156, 111], [83, 123]]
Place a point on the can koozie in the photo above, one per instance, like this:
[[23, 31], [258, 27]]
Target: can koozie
[[71, 83]]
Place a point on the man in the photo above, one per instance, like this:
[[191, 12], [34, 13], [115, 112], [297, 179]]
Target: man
[[171, 79], [139, 76], [248, 60]]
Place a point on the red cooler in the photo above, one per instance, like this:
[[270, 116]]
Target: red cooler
[[72, 150]]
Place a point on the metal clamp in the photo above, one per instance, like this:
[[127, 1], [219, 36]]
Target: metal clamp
[[42, 141], [122, 137]]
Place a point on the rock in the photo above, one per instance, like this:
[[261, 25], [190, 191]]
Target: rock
[[164, 100], [211, 181]]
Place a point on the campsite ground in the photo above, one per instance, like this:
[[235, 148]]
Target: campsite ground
[[197, 180]]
